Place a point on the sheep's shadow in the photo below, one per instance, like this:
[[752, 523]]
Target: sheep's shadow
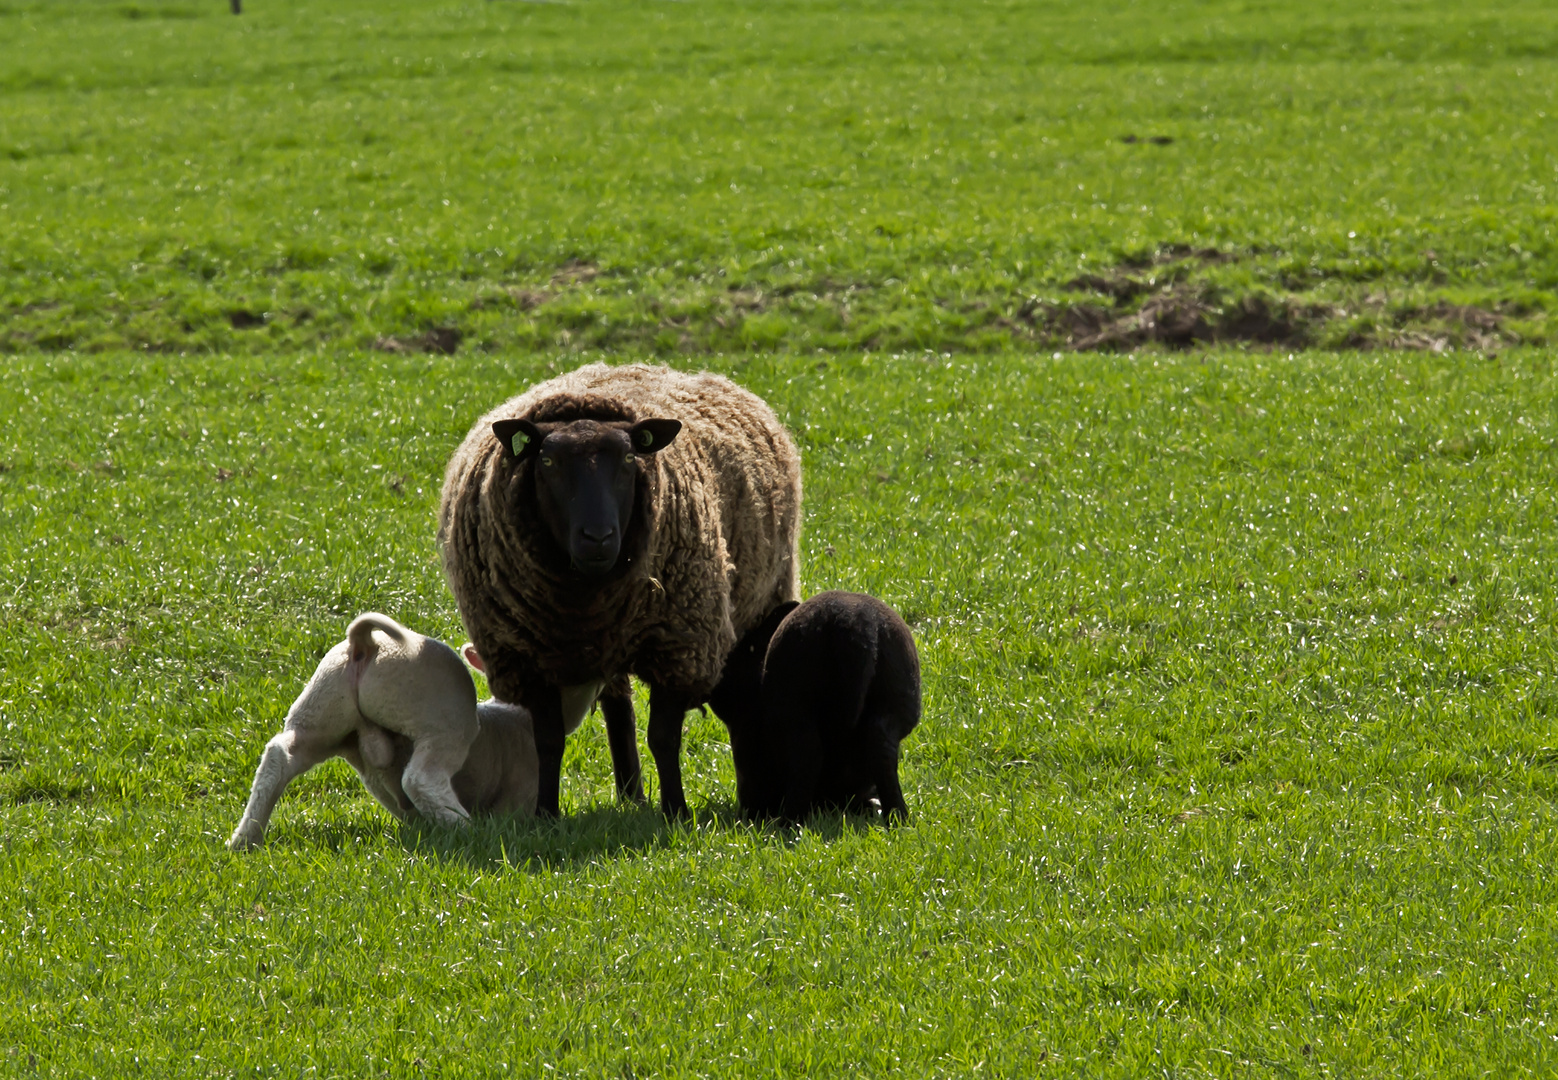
[[594, 833], [602, 832]]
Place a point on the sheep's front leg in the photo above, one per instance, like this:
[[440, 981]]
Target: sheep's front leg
[[546, 715], [622, 737], [667, 709], [286, 757]]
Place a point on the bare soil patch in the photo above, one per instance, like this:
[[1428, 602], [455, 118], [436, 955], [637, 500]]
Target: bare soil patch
[[439, 339]]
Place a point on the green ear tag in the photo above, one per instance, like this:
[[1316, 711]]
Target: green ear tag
[[521, 440], [646, 437]]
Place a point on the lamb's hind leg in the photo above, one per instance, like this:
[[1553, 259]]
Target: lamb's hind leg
[[375, 765], [286, 757], [428, 778], [882, 767]]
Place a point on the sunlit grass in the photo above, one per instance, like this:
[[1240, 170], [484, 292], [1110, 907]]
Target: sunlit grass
[[733, 176], [1237, 753]]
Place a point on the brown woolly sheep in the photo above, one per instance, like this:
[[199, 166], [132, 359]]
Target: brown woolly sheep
[[613, 521]]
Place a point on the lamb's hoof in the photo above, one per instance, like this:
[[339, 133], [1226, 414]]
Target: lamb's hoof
[[446, 817], [244, 840]]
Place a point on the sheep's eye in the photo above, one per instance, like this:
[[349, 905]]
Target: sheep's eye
[[546, 460], [629, 458]]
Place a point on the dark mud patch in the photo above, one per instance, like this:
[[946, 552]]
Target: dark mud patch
[[1182, 318], [244, 319], [1439, 327], [444, 340], [1467, 315]]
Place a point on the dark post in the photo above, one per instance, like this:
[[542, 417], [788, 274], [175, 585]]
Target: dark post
[[237, 6]]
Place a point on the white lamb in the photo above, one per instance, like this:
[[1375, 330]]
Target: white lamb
[[401, 709]]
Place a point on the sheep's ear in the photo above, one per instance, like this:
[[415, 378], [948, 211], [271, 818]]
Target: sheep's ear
[[472, 657], [652, 436], [520, 437]]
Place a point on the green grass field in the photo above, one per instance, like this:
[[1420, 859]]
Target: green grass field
[[676, 178], [1239, 754]]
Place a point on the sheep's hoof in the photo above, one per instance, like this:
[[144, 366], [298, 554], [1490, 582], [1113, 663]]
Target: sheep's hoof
[[676, 811]]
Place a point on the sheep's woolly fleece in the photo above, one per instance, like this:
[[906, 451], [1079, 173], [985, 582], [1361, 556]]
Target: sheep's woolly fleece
[[711, 548]]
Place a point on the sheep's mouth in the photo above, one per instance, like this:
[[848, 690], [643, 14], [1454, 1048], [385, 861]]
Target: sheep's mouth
[[597, 566]]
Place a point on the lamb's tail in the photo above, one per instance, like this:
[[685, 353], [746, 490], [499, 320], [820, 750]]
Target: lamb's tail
[[359, 638]]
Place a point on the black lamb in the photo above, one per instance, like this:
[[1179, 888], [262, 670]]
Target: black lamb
[[817, 698]]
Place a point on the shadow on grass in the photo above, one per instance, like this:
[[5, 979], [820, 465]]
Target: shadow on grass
[[602, 832]]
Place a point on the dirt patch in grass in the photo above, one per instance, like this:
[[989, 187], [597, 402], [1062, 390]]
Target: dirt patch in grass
[[1180, 318], [244, 319], [1467, 315], [1184, 315], [439, 339]]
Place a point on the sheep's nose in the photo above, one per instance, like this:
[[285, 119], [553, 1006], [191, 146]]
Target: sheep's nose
[[598, 535]]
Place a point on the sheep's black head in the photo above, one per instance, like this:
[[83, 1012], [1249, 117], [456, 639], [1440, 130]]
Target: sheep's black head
[[586, 480]]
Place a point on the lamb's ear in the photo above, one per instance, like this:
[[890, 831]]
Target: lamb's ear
[[472, 657], [652, 436], [520, 437]]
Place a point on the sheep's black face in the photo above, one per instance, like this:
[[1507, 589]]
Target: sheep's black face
[[586, 476]]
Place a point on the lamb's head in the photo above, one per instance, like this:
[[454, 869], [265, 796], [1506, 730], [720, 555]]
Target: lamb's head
[[586, 475], [738, 701]]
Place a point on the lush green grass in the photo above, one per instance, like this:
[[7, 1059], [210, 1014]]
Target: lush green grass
[[1237, 757], [735, 176], [1239, 751]]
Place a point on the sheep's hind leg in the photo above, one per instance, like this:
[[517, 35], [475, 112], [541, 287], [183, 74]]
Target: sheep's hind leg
[[622, 737], [428, 779], [287, 756]]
